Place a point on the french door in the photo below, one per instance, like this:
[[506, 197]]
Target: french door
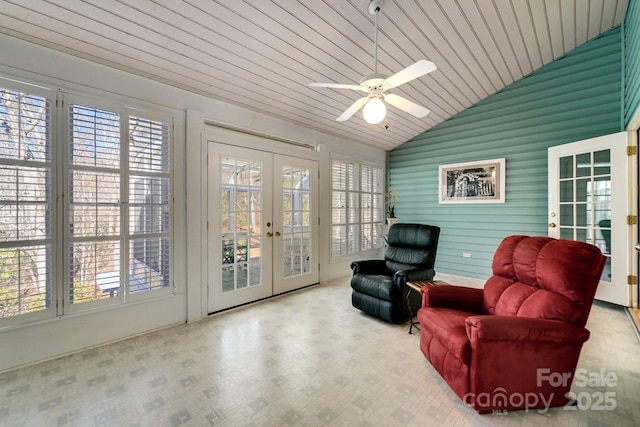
[[262, 225], [588, 201]]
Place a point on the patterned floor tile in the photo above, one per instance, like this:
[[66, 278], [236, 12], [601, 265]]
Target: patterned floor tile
[[307, 358]]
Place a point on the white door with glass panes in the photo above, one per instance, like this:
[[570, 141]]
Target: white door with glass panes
[[588, 202], [262, 222], [295, 223]]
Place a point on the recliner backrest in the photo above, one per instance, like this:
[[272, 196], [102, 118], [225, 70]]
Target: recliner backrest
[[544, 278], [411, 245]]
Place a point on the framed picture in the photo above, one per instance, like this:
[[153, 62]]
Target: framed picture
[[482, 181]]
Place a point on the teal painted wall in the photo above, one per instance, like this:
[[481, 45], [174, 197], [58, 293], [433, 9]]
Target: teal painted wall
[[575, 97], [632, 60]]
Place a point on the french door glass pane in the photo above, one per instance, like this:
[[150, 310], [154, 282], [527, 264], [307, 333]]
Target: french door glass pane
[[583, 164], [602, 162], [566, 214], [241, 223], [296, 232], [566, 167], [566, 191], [585, 201]]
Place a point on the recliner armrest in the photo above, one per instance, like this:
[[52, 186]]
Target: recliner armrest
[[450, 296], [372, 266], [508, 328], [404, 276]]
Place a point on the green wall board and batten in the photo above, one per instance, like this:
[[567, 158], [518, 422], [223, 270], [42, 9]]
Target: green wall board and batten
[[575, 97], [632, 60]]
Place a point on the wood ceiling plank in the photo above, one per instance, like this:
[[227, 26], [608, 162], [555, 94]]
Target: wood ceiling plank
[[485, 38], [485, 53], [454, 41], [541, 25], [581, 10], [266, 17], [417, 45], [554, 23], [422, 27], [608, 16], [305, 62], [621, 9], [63, 42], [568, 11], [513, 32], [595, 18], [528, 32], [77, 39], [490, 16]]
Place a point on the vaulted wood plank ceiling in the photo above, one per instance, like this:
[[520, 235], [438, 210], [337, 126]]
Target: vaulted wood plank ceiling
[[262, 54]]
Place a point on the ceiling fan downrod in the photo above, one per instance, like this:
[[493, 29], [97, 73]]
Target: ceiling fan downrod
[[374, 8]]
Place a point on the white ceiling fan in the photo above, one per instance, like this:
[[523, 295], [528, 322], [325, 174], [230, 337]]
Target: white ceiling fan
[[377, 85]]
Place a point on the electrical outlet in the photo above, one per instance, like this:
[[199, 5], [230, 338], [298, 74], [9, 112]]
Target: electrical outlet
[[466, 254]]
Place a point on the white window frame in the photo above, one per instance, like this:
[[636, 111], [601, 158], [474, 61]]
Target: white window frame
[[59, 128], [346, 254], [51, 310], [124, 236]]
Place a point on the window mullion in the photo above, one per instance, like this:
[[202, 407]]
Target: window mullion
[[125, 236], [60, 215]]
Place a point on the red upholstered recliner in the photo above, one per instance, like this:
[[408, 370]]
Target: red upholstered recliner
[[508, 346]]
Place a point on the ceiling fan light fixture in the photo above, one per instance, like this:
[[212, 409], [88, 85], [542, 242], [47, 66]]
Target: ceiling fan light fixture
[[375, 111]]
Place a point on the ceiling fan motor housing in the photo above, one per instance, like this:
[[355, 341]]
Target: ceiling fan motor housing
[[373, 80]]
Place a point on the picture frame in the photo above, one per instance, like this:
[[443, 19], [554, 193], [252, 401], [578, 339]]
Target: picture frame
[[481, 181]]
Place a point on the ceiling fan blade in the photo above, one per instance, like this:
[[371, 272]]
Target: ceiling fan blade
[[406, 105], [340, 86], [353, 109], [412, 72]]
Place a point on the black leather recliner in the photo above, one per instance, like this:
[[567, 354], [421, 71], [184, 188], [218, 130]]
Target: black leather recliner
[[379, 286]]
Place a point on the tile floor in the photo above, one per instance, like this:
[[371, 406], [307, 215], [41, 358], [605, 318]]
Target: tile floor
[[307, 358]]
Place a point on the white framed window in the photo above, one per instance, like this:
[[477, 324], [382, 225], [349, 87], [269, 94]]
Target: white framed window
[[26, 202], [357, 206], [85, 204], [119, 212]]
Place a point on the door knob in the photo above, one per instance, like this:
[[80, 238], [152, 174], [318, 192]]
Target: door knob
[[552, 224], [269, 234], [278, 233]]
